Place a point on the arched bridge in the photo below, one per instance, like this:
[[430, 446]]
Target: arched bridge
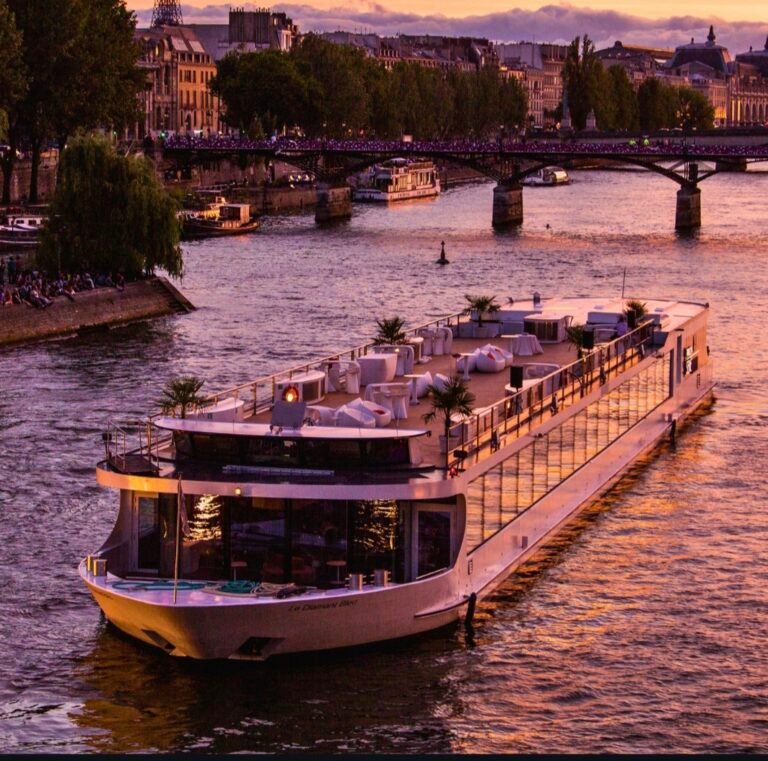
[[507, 162]]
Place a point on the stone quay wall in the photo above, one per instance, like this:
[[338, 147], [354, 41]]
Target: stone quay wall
[[91, 310]]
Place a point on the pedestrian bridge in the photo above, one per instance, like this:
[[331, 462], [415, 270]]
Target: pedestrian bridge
[[684, 160]]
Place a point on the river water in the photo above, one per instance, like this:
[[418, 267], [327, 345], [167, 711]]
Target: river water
[[642, 628]]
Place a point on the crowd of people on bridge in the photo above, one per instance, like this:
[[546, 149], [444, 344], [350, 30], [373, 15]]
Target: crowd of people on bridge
[[674, 147], [34, 288]]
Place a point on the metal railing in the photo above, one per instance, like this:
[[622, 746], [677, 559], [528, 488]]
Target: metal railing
[[519, 412], [258, 396]]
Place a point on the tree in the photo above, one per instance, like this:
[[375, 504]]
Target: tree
[[182, 394], [453, 398], [260, 91], [109, 213], [13, 73], [657, 104], [575, 336], [624, 99], [694, 111], [584, 79], [482, 305], [390, 331], [81, 62]]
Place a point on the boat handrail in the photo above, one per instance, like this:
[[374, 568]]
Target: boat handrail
[[524, 407], [259, 394]]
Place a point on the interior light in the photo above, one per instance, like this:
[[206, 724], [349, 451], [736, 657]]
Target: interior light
[[290, 394], [238, 491]]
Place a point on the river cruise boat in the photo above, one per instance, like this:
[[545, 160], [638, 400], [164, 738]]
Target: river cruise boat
[[225, 219], [547, 176], [399, 180], [315, 508], [21, 230]]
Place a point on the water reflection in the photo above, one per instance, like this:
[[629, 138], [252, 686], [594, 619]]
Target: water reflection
[[640, 629], [139, 699]]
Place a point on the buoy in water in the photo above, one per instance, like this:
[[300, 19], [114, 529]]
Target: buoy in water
[[442, 259]]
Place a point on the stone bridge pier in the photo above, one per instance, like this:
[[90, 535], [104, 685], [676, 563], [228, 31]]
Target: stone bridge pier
[[688, 209], [507, 204], [334, 202]]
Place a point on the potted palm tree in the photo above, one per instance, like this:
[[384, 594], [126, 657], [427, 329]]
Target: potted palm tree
[[636, 307], [182, 394], [481, 308], [390, 331], [575, 336], [452, 398]]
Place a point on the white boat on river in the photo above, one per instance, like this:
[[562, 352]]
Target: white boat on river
[[315, 509], [547, 176], [399, 180]]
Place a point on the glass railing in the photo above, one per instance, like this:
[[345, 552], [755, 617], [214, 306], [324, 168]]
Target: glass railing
[[517, 414]]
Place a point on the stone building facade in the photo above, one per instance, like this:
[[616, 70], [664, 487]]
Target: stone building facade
[[177, 98]]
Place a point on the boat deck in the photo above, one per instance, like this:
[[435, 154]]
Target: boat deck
[[488, 388]]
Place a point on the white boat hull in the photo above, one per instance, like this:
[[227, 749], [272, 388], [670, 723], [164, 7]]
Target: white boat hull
[[380, 196]]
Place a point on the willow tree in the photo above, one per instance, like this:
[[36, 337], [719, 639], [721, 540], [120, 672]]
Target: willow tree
[[110, 213]]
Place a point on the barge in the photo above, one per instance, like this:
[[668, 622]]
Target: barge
[[315, 508]]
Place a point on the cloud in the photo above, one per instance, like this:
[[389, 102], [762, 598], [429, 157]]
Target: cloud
[[550, 23]]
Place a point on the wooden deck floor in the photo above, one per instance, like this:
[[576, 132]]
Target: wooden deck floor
[[488, 388]]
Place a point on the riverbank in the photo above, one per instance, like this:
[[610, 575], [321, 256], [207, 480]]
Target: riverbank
[[100, 309]]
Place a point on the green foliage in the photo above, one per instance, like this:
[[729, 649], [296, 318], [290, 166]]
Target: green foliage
[[624, 99], [575, 336], [335, 90], [390, 331], [262, 91], [13, 72], [80, 61], [694, 111], [454, 398], [640, 309], [109, 213], [182, 394], [657, 104], [585, 81], [482, 305]]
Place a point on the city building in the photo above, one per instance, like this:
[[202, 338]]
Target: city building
[[748, 95], [177, 97], [246, 32], [639, 63], [542, 67]]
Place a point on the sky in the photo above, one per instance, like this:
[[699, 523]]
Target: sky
[[737, 24]]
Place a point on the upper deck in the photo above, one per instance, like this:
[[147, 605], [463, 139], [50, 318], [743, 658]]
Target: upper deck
[[330, 441]]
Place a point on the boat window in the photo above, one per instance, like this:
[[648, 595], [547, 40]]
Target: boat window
[[319, 542], [387, 452], [344, 454], [257, 538], [271, 451], [377, 530], [216, 448], [434, 541], [148, 517]]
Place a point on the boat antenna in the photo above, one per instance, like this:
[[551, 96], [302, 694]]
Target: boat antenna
[[623, 283]]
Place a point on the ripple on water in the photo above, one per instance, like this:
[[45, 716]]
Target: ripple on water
[[639, 629]]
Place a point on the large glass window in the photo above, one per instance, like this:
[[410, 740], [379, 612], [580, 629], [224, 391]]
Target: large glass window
[[256, 538], [319, 542], [434, 541]]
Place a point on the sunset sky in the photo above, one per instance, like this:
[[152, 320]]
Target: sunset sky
[[643, 22]]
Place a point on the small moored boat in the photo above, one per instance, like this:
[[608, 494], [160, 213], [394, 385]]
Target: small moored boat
[[548, 175], [226, 219]]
